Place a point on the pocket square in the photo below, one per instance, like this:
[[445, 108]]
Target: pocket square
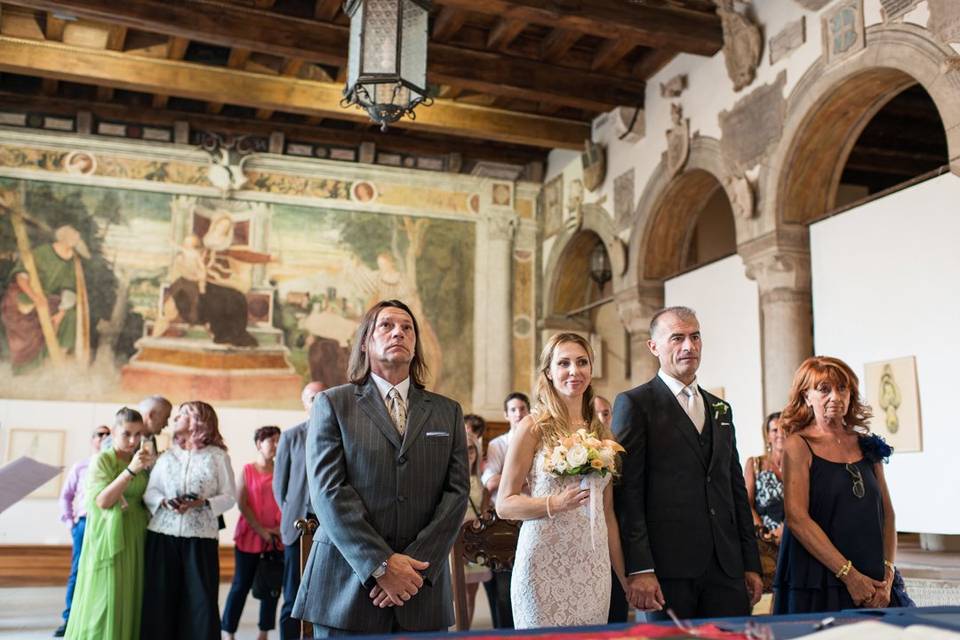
[[437, 434]]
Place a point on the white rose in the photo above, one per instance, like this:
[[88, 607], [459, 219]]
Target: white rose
[[558, 461], [577, 455]]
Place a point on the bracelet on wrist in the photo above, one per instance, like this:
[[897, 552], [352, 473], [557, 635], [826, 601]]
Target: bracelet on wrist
[[889, 565], [844, 570], [132, 474], [549, 515]]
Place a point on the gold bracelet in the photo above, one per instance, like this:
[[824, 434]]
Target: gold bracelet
[[889, 565], [844, 570]]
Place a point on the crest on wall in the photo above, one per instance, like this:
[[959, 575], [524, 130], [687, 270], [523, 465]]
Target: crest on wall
[[227, 154], [843, 31], [594, 159], [742, 42], [678, 141]]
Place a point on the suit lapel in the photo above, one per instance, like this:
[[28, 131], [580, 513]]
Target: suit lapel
[[418, 409], [679, 419], [370, 402]]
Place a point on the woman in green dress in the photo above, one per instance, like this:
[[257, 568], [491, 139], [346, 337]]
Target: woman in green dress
[[109, 590]]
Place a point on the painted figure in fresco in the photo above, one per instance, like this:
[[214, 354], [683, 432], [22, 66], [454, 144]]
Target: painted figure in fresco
[[62, 291], [208, 287]]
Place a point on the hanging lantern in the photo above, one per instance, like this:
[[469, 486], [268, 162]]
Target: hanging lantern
[[600, 271], [387, 63]]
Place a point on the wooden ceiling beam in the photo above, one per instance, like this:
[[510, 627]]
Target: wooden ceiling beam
[[292, 95], [651, 62], [291, 69], [53, 30], [237, 60], [610, 53], [393, 141], [289, 37], [504, 32], [327, 9], [176, 49], [115, 40], [660, 26], [558, 43], [446, 24]]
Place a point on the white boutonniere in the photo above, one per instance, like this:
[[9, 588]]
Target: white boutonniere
[[721, 410]]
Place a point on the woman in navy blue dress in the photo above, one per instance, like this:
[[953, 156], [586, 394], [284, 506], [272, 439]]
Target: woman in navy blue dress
[[840, 541]]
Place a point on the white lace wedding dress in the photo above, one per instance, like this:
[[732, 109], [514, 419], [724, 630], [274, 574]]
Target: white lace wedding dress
[[560, 576]]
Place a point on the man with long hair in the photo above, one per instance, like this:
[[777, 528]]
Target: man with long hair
[[685, 520], [388, 477]]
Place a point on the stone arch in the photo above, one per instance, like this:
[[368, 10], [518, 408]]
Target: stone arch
[[573, 245], [831, 105], [668, 208]]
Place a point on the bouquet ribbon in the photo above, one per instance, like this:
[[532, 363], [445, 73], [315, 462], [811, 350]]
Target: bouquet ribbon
[[589, 481]]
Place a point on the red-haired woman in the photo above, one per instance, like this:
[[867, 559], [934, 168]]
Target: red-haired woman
[[190, 486], [840, 541]]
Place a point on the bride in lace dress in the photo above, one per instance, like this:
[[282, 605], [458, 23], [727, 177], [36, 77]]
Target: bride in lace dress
[[561, 574]]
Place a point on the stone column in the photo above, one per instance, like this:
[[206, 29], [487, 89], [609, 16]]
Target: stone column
[[780, 264], [636, 306], [493, 331]]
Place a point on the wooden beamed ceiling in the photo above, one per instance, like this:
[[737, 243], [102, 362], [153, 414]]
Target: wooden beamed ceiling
[[530, 74]]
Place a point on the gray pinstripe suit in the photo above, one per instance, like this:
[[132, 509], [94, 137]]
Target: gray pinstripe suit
[[375, 495]]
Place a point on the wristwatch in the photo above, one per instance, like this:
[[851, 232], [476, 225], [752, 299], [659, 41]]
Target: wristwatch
[[380, 571]]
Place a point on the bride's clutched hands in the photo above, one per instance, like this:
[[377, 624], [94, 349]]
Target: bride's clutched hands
[[568, 500]]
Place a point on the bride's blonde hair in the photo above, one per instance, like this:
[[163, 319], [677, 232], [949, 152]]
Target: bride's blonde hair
[[550, 414]]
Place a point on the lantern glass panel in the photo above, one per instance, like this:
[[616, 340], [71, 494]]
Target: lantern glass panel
[[380, 18], [413, 60], [353, 56]]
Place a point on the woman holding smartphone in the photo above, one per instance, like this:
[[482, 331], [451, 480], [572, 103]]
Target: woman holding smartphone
[[191, 485], [106, 602]]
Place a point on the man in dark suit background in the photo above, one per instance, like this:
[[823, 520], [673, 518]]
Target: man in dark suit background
[[685, 521], [292, 495], [388, 478]]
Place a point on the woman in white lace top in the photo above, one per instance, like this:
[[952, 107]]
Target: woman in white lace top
[[568, 542], [191, 485]]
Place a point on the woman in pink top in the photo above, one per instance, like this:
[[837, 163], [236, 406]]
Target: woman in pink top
[[258, 530]]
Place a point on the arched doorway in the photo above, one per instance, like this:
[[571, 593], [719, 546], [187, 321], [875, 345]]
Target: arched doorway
[[903, 141], [846, 125], [691, 225]]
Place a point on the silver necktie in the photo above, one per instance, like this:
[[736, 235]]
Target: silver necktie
[[398, 412]]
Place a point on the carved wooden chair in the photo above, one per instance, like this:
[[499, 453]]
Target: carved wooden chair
[[306, 528], [488, 541]]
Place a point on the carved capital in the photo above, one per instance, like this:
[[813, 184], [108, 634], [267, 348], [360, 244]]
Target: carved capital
[[780, 272], [637, 305]]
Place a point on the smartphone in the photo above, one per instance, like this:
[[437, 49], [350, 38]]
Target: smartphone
[[146, 444], [188, 496]]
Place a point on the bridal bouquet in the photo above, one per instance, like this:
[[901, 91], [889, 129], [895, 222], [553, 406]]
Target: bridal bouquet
[[582, 453]]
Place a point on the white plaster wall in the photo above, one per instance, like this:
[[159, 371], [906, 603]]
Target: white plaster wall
[[709, 92], [883, 287], [37, 521], [728, 307]]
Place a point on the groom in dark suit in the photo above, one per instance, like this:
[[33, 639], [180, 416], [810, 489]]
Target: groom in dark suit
[[388, 477], [685, 521]]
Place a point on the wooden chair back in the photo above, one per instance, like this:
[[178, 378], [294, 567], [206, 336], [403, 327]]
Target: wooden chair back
[[487, 541], [306, 528]]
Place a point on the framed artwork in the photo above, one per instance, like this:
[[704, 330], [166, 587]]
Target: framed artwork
[[43, 445], [890, 388]]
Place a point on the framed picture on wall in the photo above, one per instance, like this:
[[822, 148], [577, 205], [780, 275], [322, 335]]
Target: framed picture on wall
[[43, 445], [890, 388]]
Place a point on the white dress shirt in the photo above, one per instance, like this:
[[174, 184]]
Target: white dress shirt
[[403, 388], [696, 412]]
